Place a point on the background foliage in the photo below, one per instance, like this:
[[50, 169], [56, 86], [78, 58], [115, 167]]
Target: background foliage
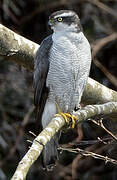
[[30, 19]]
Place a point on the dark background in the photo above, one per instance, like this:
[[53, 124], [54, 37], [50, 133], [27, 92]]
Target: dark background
[[30, 19]]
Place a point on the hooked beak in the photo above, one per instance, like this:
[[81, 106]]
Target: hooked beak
[[51, 22]]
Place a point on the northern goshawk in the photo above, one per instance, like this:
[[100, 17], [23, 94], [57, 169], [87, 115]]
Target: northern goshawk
[[61, 70]]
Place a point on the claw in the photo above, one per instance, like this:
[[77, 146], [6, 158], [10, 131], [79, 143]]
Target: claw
[[74, 118], [63, 115], [68, 117]]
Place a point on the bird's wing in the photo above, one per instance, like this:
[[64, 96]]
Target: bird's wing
[[41, 66]]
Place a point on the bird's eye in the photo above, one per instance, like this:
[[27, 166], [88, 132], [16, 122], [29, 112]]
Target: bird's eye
[[59, 19]]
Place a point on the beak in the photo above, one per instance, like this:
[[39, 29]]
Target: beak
[[51, 22]]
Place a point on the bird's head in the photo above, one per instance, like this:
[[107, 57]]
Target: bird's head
[[65, 20]]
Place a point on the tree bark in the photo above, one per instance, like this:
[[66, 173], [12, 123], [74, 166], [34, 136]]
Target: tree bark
[[16, 48]]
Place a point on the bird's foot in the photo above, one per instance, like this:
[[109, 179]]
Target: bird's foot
[[68, 118]]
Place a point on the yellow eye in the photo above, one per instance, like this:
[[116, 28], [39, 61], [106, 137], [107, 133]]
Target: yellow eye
[[60, 19]]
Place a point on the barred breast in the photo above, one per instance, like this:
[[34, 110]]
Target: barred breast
[[68, 58]]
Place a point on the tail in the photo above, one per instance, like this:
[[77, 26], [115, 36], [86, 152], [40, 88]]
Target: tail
[[50, 154]]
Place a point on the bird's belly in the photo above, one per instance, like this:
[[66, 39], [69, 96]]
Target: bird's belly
[[68, 71], [60, 78]]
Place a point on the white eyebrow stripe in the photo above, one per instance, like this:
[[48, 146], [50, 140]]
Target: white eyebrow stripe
[[65, 14]]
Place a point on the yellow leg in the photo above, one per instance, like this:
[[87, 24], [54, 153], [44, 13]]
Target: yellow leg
[[68, 117], [60, 113], [58, 108]]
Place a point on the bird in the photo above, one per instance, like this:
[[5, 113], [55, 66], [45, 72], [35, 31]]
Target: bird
[[61, 69]]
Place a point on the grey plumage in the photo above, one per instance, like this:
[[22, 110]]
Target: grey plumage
[[41, 66], [62, 66]]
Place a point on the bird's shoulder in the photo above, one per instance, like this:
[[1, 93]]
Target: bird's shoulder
[[43, 50], [41, 66]]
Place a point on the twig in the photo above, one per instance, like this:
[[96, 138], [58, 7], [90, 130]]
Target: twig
[[104, 7], [32, 133], [96, 47], [101, 43], [111, 77], [54, 126], [92, 154], [27, 116], [88, 142], [100, 123]]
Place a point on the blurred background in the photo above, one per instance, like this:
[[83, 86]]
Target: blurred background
[[30, 19]]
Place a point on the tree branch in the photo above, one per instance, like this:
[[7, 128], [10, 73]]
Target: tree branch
[[96, 47], [54, 126], [17, 48], [104, 7], [21, 50], [97, 93], [100, 124], [91, 154]]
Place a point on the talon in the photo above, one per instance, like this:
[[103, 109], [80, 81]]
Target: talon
[[63, 115], [68, 117], [74, 118]]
